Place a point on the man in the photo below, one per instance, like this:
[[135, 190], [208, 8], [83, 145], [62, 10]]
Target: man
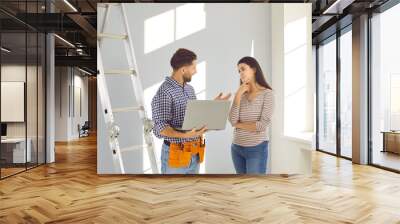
[[181, 152]]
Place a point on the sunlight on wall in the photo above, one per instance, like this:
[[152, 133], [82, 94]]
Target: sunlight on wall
[[295, 79], [190, 18], [173, 25], [295, 34], [199, 79], [159, 31]]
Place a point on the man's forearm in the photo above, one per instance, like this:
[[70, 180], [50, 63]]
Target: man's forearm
[[249, 126], [172, 133]]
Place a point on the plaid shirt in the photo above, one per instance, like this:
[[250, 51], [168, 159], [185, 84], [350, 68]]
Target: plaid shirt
[[169, 106]]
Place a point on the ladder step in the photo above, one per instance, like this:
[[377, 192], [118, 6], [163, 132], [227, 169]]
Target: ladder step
[[120, 72], [127, 109], [112, 36], [133, 148]]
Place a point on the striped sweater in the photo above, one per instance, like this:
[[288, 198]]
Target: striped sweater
[[258, 110]]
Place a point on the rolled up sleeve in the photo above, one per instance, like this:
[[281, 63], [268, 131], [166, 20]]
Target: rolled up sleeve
[[266, 113], [161, 112]]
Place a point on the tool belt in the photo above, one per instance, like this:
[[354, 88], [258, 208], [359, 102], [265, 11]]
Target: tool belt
[[180, 154]]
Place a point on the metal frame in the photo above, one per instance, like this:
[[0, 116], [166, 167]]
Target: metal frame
[[338, 98], [317, 97], [338, 34], [369, 89], [44, 74]]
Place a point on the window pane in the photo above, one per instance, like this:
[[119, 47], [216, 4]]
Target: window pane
[[31, 100], [346, 94], [327, 96], [386, 89], [41, 99]]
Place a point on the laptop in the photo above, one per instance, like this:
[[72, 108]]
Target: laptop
[[210, 113]]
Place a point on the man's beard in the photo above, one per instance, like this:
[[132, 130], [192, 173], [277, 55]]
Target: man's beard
[[187, 79]]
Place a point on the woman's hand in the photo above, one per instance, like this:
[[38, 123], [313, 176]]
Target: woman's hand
[[248, 126], [243, 89]]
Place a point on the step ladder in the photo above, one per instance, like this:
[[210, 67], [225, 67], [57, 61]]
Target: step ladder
[[108, 112]]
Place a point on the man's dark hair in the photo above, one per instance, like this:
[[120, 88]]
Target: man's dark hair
[[182, 57]]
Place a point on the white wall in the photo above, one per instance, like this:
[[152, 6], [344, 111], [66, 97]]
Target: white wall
[[290, 151], [220, 34], [68, 81], [79, 117], [17, 73], [61, 103], [12, 100]]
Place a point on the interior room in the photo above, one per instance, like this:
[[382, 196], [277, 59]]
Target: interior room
[[333, 151], [216, 72], [22, 102]]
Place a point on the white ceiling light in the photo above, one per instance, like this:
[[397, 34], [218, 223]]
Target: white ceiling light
[[338, 6], [65, 41], [5, 50], [331, 7], [86, 72], [70, 5]]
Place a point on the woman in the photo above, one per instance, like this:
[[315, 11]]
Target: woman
[[250, 114]]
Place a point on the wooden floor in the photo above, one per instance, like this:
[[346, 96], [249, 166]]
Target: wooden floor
[[5, 172], [70, 191]]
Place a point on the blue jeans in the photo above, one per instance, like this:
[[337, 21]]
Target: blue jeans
[[250, 160], [193, 167]]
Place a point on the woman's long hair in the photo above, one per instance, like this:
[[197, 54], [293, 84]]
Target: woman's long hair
[[252, 62]]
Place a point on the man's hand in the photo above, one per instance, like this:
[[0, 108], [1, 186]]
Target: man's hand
[[222, 97], [194, 133]]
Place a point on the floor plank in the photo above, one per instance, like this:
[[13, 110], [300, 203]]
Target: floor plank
[[70, 191]]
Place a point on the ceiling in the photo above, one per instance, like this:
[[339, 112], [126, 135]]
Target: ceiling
[[76, 22]]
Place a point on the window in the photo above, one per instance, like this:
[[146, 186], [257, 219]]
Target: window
[[385, 89], [346, 93], [327, 96], [394, 101], [22, 76]]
